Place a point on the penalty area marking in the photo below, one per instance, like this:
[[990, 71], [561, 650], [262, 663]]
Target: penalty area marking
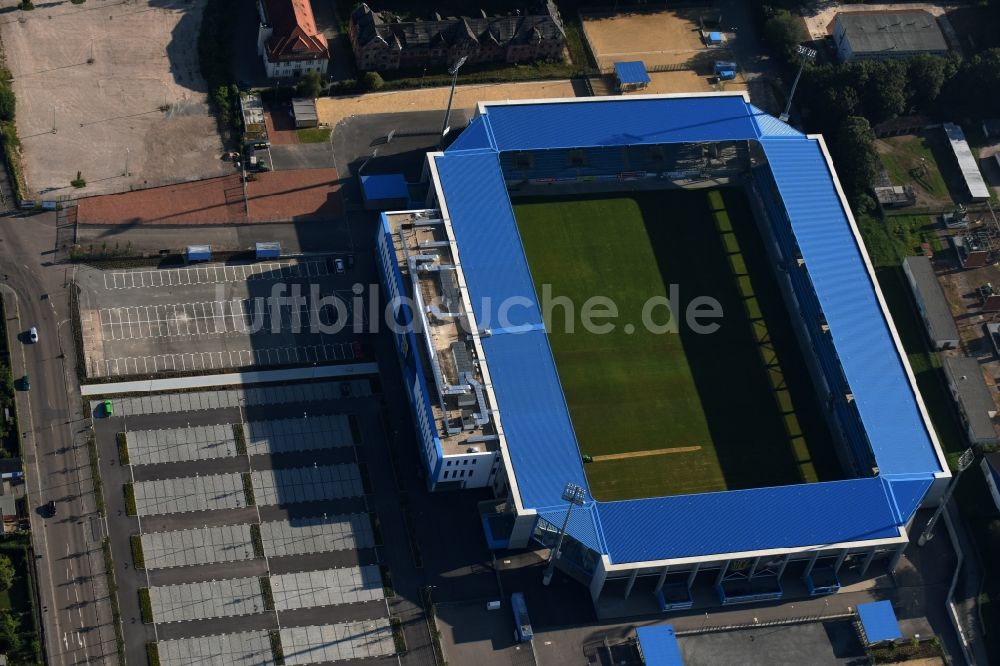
[[644, 454]]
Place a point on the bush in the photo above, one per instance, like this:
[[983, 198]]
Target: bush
[[398, 637], [248, 490], [138, 558], [129, 489], [372, 81], [79, 181], [258, 542], [122, 440], [277, 649], [266, 593], [152, 654], [311, 85], [8, 103], [241, 439], [145, 606]]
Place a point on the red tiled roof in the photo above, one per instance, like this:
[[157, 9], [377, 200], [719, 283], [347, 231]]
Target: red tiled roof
[[295, 36]]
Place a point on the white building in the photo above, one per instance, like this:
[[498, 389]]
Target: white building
[[288, 41]]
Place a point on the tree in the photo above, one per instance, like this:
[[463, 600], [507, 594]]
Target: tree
[[8, 103], [853, 152], [927, 75], [311, 85], [883, 92], [7, 573], [372, 81], [10, 631], [783, 33]]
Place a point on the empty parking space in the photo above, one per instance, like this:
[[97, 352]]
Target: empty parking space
[[330, 587], [235, 358], [228, 543], [149, 447], [214, 274], [199, 493], [316, 535], [198, 601], [336, 642], [169, 403], [299, 434], [242, 316], [252, 648], [306, 484]]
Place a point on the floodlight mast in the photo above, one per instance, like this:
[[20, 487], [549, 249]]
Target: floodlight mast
[[453, 70], [964, 461], [576, 496], [806, 53]]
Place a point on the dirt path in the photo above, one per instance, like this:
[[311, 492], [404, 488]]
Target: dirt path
[[646, 454]]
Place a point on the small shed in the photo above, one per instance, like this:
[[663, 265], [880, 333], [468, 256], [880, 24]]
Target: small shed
[[631, 76], [195, 253], [715, 38], [270, 250], [878, 622], [658, 646], [385, 191], [991, 468], [976, 408], [304, 110], [726, 71]]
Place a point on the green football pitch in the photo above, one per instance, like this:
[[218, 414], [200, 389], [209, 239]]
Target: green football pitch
[[672, 413]]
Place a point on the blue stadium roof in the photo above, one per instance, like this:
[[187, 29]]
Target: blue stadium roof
[[659, 646], [541, 443], [632, 72], [878, 621]]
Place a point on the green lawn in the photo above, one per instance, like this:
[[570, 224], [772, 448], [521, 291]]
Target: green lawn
[[741, 395], [314, 135]]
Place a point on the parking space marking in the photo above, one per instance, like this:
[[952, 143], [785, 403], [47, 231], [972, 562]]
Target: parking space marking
[[214, 274], [215, 360], [298, 434], [199, 601], [237, 316], [197, 493], [249, 647], [205, 545], [324, 534], [150, 447], [336, 642], [252, 396], [329, 587], [306, 484]]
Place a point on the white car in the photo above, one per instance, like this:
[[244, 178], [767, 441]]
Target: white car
[[338, 265], [33, 334]]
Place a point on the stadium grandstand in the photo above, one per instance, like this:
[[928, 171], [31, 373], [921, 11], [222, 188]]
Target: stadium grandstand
[[502, 401]]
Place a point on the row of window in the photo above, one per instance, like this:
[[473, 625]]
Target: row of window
[[465, 461], [458, 473]]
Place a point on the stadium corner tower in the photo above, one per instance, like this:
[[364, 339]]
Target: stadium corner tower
[[685, 505]]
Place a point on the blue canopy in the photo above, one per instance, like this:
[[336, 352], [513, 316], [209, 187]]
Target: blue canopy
[[659, 646], [878, 622], [631, 73], [388, 186]]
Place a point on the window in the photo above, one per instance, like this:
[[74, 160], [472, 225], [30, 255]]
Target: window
[[447, 463], [465, 462], [475, 460], [445, 475]]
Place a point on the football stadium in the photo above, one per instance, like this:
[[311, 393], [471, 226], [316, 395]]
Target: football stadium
[[648, 324]]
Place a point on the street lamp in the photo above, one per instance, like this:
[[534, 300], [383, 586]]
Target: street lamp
[[964, 461], [453, 70], [575, 495], [806, 53]]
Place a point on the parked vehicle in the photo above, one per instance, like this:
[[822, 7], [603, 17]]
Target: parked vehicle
[[33, 334]]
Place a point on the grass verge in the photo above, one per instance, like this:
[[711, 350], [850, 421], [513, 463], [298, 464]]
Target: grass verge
[[145, 606], [240, 436], [435, 632], [129, 490], [248, 489], [95, 473], [116, 611], [398, 637], [138, 558], [153, 654], [277, 649], [376, 528], [266, 593], [387, 589], [314, 135], [122, 440], [258, 542]]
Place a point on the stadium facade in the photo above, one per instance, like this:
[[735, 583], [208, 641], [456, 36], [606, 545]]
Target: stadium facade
[[487, 401]]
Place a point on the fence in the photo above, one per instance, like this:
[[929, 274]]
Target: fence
[[950, 603]]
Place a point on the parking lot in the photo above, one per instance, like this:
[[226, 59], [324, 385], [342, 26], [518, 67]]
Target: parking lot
[[247, 523], [217, 316]]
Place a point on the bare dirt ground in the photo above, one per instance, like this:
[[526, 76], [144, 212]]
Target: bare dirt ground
[[656, 38], [118, 81], [331, 110]]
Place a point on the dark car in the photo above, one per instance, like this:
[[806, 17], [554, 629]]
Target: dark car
[[50, 509]]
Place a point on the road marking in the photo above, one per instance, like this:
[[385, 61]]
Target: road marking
[[214, 274], [212, 360]]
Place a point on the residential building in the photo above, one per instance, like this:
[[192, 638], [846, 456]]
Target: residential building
[[288, 40], [880, 35], [382, 41]]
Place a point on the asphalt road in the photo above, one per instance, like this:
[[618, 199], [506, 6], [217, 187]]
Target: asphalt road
[[75, 609]]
